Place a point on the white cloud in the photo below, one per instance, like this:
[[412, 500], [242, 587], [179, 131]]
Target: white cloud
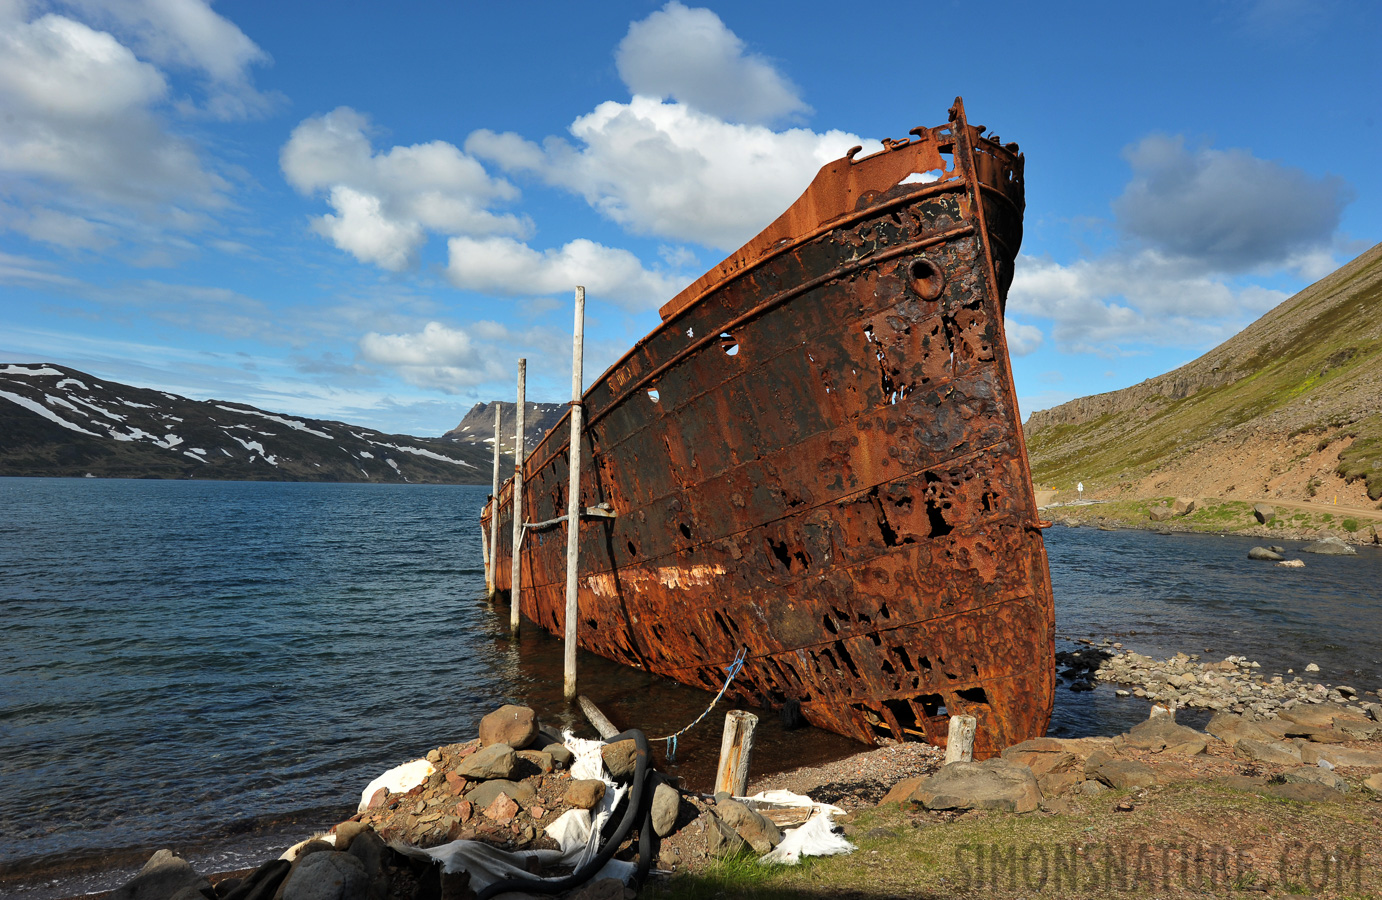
[[440, 357], [386, 203], [189, 34], [86, 160], [504, 266], [669, 170], [690, 56], [51, 226], [27, 272], [1226, 210], [1192, 226], [1105, 304], [76, 105], [362, 230], [1022, 339]]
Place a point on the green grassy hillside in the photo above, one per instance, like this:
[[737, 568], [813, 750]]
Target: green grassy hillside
[[1305, 378]]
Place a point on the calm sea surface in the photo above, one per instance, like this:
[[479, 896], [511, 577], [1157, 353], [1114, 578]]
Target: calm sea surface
[[220, 667]]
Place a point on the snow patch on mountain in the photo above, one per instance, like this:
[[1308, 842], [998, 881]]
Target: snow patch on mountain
[[36, 407], [291, 423]]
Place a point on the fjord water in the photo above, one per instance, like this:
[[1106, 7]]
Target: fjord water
[[221, 667]]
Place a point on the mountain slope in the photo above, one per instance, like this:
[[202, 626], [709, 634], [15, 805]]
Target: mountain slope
[[1290, 407], [477, 428], [58, 421]]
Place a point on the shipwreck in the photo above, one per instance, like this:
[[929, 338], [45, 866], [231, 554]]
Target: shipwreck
[[816, 460]]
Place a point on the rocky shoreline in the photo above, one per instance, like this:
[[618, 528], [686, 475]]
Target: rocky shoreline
[[505, 789], [1235, 684], [1187, 515]]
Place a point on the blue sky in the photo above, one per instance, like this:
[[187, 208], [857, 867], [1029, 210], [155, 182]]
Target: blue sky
[[369, 211]]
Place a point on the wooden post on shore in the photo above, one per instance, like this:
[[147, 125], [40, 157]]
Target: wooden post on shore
[[515, 581], [573, 499], [959, 746], [492, 560], [598, 719], [736, 746]]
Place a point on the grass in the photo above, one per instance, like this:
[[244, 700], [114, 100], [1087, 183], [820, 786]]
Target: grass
[[1183, 839], [1363, 459], [1211, 516], [1315, 354]]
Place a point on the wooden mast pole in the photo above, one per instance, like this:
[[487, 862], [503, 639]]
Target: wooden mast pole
[[492, 561], [515, 581], [573, 499]]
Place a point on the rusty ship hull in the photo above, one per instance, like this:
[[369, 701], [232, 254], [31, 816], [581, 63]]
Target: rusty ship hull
[[817, 458]]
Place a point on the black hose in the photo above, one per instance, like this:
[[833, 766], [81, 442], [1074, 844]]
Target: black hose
[[632, 813]]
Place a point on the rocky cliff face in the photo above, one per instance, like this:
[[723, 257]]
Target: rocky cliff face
[[1289, 407], [477, 428], [59, 421]]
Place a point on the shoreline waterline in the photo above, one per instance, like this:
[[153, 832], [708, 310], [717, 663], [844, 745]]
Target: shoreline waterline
[[282, 644]]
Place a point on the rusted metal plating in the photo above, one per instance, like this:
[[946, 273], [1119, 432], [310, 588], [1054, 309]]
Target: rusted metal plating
[[818, 457]]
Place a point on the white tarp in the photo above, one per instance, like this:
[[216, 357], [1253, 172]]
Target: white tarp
[[576, 831], [815, 837], [399, 780]]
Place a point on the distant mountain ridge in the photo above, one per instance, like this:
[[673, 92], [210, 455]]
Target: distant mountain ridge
[[58, 421], [477, 428], [1291, 407]]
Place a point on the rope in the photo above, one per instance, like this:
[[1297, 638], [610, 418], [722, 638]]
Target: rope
[[732, 670]]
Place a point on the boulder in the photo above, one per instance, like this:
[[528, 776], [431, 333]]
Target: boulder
[[1160, 513], [620, 759], [515, 726], [1231, 728], [482, 795], [1364, 730], [1119, 773], [902, 791], [501, 809], [559, 753], [1311, 754], [665, 807], [760, 834], [1161, 734], [1042, 763], [721, 839], [1319, 717], [347, 832], [1329, 546], [1302, 791], [1373, 783], [494, 761], [1316, 775], [263, 882], [370, 849], [329, 875], [162, 876], [1264, 554], [1263, 513], [1057, 783], [1277, 753], [992, 784], [539, 758], [1184, 506], [584, 793]]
